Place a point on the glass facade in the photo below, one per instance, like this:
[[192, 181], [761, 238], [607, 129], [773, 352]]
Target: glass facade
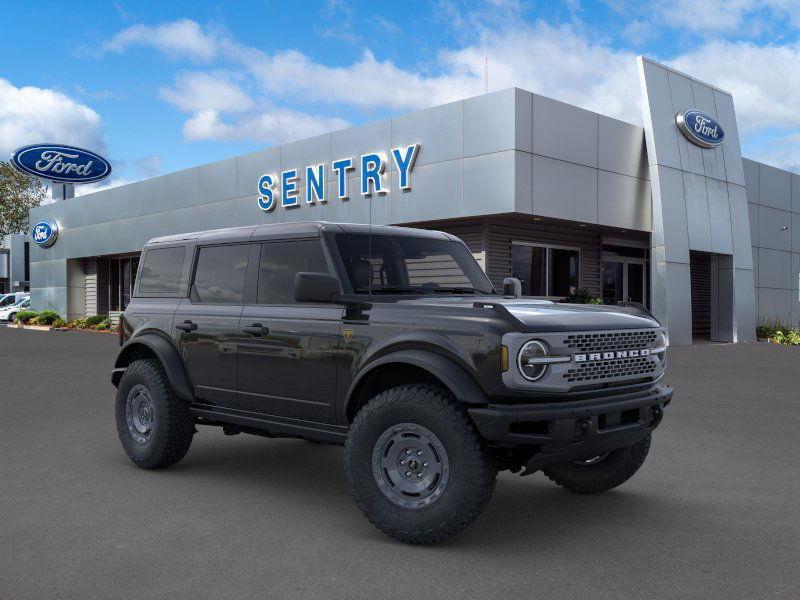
[[546, 270]]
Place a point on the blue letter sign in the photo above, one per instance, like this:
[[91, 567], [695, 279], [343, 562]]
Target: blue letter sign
[[374, 165]]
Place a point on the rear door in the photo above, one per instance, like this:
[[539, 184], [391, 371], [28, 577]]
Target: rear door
[[207, 323], [288, 351]]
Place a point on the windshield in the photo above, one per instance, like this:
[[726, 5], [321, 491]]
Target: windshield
[[395, 264]]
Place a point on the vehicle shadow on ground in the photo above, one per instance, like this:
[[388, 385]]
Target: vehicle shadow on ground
[[525, 512]]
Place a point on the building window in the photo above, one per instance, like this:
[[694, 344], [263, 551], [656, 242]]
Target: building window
[[122, 278], [27, 262], [545, 270]]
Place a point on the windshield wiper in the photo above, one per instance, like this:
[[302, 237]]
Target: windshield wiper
[[456, 290], [395, 289]]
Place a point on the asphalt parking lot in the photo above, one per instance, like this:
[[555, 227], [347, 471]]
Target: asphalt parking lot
[[714, 513]]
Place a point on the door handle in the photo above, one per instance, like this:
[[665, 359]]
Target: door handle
[[256, 329], [186, 326]]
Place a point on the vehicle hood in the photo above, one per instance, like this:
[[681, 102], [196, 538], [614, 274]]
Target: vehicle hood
[[531, 315]]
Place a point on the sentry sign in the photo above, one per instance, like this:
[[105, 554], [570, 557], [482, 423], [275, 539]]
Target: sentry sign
[[284, 189], [700, 128], [64, 164]]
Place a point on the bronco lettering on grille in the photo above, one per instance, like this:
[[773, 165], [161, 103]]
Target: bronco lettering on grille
[[611, 355]]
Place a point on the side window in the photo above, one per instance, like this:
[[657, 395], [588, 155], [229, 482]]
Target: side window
[[280, 262], [161, 270], [220, 273]]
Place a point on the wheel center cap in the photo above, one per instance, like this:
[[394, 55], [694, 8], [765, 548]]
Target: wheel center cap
[[413, 464]]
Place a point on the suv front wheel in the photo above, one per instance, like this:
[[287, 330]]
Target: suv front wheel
[[154, 425], [415, 465]]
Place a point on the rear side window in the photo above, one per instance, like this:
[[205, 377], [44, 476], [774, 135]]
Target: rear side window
[[280, 262], [220, 274], [161, 270]]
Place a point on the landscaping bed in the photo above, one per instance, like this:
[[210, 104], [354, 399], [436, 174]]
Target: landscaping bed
[[47, 320], [778, 333]]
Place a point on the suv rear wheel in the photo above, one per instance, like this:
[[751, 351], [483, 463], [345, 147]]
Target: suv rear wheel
[[154, 425], [415, 465], [600, 473]]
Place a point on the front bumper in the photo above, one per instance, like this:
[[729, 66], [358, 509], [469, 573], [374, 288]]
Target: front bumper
[[561, 432]]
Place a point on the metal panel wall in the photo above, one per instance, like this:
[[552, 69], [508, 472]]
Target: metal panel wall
[[699, 204], [775, 212]]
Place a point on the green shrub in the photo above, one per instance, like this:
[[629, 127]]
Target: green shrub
[[778, 333], [102, 325], [91, 322], [59, 322], [582, 296], [24, 316], [46, 317]]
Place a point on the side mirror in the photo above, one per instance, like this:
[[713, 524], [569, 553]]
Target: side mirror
[[317, 287], [512, 287]]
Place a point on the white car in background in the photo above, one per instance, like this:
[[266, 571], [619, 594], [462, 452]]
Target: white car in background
[[7, 313], [7, 300]]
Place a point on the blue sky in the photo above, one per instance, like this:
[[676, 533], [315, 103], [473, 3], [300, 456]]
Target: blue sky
[[159, 86]]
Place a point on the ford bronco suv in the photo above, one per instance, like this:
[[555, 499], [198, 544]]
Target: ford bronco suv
[[393, 343]]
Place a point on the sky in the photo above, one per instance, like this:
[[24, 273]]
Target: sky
[[160, 86]]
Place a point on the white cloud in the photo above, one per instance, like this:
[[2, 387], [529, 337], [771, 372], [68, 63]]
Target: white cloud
[[710, 16], [181, 38], [30, 114], [558, 63], [278, 125], [198, 90], [764, 80], [150, 166], [112, 182], [740, 17], [590, 75], [562, 62], [783, 152]]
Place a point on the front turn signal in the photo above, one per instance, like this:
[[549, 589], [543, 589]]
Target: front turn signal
[[504, 358]]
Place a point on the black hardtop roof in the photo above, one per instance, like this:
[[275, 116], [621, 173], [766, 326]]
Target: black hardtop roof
[[292, 230]]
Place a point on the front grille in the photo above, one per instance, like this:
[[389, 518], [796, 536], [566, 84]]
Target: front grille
[[612, 340], [616, 368]]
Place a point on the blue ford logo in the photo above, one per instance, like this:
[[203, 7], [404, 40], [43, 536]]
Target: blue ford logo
[[44, 233], [65, 164], [700, 128]]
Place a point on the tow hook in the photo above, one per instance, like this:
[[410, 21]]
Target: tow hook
[[656, 414], [581, 427]]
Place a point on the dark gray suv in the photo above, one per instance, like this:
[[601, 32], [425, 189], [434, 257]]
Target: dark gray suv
[[393, 343]]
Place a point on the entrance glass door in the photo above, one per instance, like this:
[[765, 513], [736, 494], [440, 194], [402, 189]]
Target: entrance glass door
[[636, 282], [624, 279], [613, 282]]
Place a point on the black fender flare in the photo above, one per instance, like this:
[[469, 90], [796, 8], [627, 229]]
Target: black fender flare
[[452, 375], [166, 353]]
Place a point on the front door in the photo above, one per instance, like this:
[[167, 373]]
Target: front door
[[207, 323], [624, 279], [288, 351]]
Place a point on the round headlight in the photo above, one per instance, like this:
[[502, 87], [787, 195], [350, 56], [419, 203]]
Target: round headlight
[[527, 360]]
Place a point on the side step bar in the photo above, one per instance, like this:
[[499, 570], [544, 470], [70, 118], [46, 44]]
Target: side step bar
[[274, 425]]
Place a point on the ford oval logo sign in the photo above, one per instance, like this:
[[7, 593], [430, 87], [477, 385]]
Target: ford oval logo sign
[[65, 164], [700, 128], [44, 233]]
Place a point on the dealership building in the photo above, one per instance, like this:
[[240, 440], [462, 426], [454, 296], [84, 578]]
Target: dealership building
[[560, 197]]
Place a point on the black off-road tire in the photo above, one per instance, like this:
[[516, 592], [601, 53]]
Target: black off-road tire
[[172, 424], [471, 474], [608, 473]]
